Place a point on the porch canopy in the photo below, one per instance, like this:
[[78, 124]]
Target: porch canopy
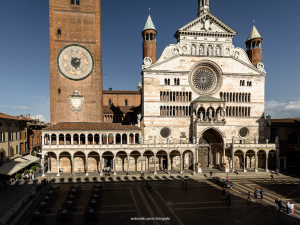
[[17, 164]]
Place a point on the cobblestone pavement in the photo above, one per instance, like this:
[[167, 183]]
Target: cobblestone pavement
[[200, 203]]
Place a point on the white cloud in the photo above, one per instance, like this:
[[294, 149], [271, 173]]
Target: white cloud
[[283, 109], [41, 118], [14, 107]]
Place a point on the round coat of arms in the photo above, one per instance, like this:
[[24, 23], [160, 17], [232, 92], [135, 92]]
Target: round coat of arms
[[147, 61]]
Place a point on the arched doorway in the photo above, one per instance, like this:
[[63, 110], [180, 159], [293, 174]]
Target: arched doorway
[[163, 159], [211, 148]]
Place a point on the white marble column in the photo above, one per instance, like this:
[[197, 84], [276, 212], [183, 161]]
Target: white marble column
[[43, 139], [58, 174], [127, 139], [180, 163], [142, 163], [267, 157], [100, 169], [72, 165], [115, 169], [65, 140], [115, 137], [72, 139], [86, 166], [255, 162], [245, 162], [57, 139], [127, 163], [43, 171], [155, 164]]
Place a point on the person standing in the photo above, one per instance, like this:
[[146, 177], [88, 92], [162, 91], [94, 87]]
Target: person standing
[[272, 177], [261, 194], [292, 208], [228, 198], [279, 205], [288, 207], [249, 196], [255, 193]]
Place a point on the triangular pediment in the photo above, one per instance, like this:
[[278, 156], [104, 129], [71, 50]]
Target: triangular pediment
[[208, 23]]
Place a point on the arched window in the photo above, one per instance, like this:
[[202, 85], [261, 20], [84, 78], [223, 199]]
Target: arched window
[[178, 81], [58, 32], [75, 2], [175, 83], [126, 102], [168, 81], [109, 102]]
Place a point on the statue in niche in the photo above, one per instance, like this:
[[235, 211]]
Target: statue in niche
[[201, 50], [218, 51], [233, 139], [141, 140], [209, 50], [269, 119], [255, 140], [201, 116], [154, 141], [276, 140], [139, 116], [194, 140], [210, 113], [193, 50], [218, 116], [267, 141], [236, 54]]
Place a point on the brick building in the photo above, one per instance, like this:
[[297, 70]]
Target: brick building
[[287, 133]]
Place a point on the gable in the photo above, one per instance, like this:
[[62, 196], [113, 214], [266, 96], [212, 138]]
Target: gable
[[208, 23]]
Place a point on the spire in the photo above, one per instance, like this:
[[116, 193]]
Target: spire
[[254, 33], [203, 7], [149, 24]]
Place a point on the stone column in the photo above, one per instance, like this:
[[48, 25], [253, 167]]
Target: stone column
[[100, 169], [267, 157], [87, 166], [255, 162], [115, 137], [133, 139], [127, 139], [162, 163], [180, 163], [245, 162], [72, 139], [107, 138], [50, 138], [57, 139], [232, 160], [42, 161], [169, 162], [58, 174], [43, 139], [115, 169], [86, 139], [224, 154], [194, 163], [100, 139], [127, 163], [155, 164], [142, 163], [49, 167], [93, 139]]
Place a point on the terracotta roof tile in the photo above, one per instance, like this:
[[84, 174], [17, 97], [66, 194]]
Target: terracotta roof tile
[[287, 120], [91, 126], [5, 116]]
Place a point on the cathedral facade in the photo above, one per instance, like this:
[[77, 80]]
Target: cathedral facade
[[202, 100]]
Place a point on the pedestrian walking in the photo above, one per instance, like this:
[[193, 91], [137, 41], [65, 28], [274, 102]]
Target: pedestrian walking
[[227, 177], [262, 193], [279, 205], [185, 182], [182, 182], [228, 198], [223, 194], [210, 175], [255, 193], [288, 207], [292, 208], [272, 177], [248, 196]]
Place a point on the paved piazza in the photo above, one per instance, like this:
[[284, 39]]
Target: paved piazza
[[200, 203]]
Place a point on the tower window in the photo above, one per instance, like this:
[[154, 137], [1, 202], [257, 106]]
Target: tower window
[[58, 32], [109, 102], [75, 2], [58, 91], [126, 102]]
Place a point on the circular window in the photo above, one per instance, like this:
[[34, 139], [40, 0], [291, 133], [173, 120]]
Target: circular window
[[205, 78], [165, 132], [244, 132]]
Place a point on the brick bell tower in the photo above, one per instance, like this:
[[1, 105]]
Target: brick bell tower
[[75, 61], [149, 41], [254, 49]]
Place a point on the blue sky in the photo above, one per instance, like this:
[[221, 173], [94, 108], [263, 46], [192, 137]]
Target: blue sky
[[24, 40]]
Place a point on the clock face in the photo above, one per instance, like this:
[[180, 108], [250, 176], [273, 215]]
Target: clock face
[[75, 62]]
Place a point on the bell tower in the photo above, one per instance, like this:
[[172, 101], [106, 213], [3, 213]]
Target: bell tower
[[203, 7], [75, 61], [254, 49], [149, 41]]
